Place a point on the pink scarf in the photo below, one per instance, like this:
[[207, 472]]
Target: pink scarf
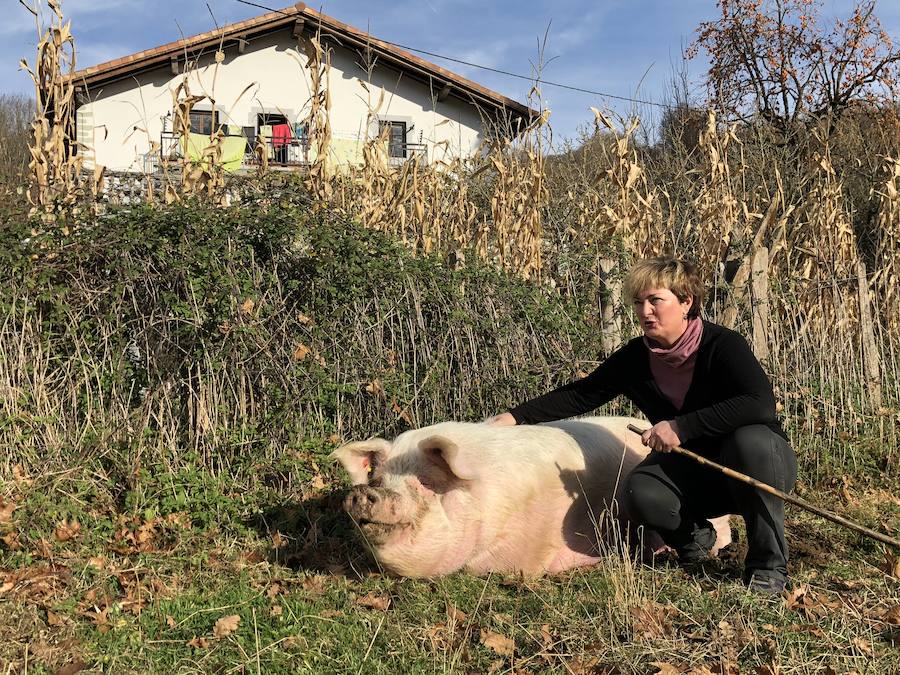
[[673, 368]]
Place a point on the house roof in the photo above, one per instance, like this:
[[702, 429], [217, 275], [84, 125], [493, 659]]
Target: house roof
[[347, 35]]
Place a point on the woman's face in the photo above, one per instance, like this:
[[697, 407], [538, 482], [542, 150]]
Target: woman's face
[[662, 315]]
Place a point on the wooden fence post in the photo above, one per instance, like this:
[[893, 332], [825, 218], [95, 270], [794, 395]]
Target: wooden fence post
[[759, 294], [610, 300], [867, 335]]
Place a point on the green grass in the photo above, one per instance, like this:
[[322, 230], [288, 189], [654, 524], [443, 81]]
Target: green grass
[[317, 603]]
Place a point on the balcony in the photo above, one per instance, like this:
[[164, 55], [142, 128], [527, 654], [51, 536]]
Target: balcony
[[287, 152]]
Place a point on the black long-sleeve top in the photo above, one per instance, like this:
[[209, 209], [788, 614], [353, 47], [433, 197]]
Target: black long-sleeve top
[[729, 389]]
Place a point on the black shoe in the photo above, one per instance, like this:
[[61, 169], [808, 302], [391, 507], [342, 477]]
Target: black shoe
[[766, 584], [692, 554]]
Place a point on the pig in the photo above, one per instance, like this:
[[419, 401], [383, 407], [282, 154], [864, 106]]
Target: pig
[[462, 496]]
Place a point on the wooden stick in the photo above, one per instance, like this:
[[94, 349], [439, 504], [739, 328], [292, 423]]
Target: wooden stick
[[778, 493]]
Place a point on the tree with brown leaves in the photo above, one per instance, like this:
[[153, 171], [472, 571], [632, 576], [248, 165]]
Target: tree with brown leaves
[[772, 59]]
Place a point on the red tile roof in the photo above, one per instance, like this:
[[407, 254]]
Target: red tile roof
[[399, 58]]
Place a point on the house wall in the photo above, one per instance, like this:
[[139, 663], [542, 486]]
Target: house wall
[[123, 117]]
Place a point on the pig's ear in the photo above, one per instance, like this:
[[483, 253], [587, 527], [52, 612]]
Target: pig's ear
[[360, 458], [449, 456]]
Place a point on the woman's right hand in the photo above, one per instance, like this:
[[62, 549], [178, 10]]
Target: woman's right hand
[[501, 420]]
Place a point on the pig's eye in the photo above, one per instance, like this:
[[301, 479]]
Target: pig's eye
[[373, 463]]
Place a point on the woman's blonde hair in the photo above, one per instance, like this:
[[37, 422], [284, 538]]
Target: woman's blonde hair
[[679, 276]]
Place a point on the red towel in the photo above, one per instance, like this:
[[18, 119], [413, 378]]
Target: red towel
[[281, 135]]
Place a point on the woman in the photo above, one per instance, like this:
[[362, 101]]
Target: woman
[[702, 388]]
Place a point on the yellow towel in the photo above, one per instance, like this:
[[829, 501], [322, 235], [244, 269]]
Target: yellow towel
[[232, 150]]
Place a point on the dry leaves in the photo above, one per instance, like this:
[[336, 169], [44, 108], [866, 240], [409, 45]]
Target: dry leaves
[[813, 606], [372, 601], [226, 625], [6, 510], [498, 643], [891, 564], [66, 530], [652, 620]]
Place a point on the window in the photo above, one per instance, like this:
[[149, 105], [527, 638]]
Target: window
[[202, 121], [396, 137]]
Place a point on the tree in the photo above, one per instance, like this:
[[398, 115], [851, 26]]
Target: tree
[[771, 59]]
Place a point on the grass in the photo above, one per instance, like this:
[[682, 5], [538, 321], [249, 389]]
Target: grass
[[143, 592], [167, 505]]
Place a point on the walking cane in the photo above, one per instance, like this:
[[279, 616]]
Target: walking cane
[[790, 499]]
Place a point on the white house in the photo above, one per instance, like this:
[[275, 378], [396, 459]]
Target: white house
[[257, 85]]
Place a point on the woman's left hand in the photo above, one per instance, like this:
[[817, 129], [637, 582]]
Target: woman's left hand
[[662, 436]]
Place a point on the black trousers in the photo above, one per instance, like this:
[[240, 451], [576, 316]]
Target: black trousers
[[676, 496]]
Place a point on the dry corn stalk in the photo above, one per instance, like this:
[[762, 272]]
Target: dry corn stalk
[[318, 61], [519, 195], [55, 165], [818, 253], [622, 203], [720, 216], [204, 174], [886, 279]]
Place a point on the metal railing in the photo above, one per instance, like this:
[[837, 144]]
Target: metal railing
[[286, 152], [398, 153]]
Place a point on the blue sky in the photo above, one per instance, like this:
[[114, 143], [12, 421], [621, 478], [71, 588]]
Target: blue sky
[[622, 47]]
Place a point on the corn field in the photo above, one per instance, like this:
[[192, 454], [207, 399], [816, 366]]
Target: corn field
[[559, 221]]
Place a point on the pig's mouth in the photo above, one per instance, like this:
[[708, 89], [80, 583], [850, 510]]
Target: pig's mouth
[[378, 513], [378, 531]]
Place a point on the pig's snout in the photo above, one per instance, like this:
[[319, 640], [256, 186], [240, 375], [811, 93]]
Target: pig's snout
[[368, 504], [362, 497]]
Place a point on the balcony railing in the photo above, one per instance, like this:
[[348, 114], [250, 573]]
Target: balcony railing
[[293, 152], [287, 152], [398, 153]]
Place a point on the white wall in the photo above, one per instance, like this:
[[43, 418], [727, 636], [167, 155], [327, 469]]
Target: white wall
[[124, 116]]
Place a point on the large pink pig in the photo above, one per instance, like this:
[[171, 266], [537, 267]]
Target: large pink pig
[[533, 498]]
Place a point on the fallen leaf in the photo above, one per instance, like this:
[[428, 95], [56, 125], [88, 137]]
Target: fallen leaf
[[278, 540], [72, 668], [53, 619], [66, 530], [863, 645], [891, 615], [226, 625], [6, 510], [11, 540], [314, 585], [273, 590], [198, 643], [652, 620], [892, 564], [456, 614], [19, 475], [374, 387], [170, 621], [305, 320], [330, 613], [276, 611], [247, 306], [665, 668], [373, 601], [301, 352], [498, 643]]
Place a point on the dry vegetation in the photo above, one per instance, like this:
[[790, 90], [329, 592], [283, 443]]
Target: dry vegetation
[[169, 375]]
